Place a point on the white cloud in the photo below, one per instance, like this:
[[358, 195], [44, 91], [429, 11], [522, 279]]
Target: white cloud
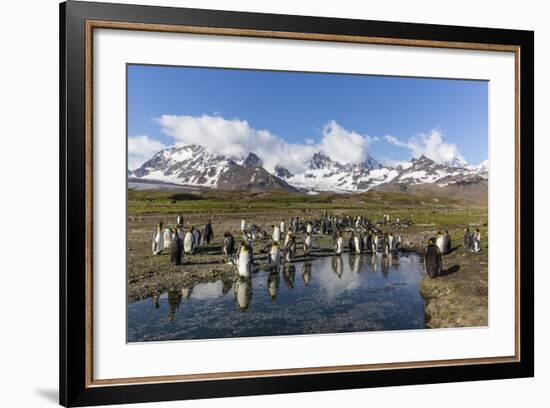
[[235, 138], [140, 149], [432, 146], [343, 145]]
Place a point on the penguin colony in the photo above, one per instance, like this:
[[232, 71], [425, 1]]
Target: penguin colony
[[364, 237]]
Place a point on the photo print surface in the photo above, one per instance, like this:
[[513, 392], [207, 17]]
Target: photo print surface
[[267, 203]]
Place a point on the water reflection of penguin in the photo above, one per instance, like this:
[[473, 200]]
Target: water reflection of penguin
[[227, 285], [289, 274], [174, 301], [306, 273], [186, 291], [156, 302], [176, 249], [432, 259], [273, 281], [385, 266], [158, 240], [243, 293], [374, 264], [357, 263], [337, 265]]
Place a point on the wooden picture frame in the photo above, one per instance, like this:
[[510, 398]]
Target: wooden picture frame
[[77, 22]]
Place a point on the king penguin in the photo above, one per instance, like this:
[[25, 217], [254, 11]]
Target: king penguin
[[432, 259], [307, 243], [158, 240], [176, 249], [189, 242], [274, 255], [244, 261]]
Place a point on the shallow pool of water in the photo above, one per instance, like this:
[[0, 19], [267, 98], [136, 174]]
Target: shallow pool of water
[[349, 293]]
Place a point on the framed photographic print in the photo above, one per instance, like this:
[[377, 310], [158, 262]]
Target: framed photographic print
[[255, 203]]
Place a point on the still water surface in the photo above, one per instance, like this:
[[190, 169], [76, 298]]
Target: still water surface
[[349, 293]]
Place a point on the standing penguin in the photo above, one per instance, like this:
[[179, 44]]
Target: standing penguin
[[158, 240], [307, 243], [309, 227], [288, 237], [477, 241], [179, 220], [467, 239], [274, 256], [440, 242], [447, 241], [243, 225], [339, 245], [357, 243], [208, 233], [432, 259], [391, 242], [375, 240], [276, 235], [168, 235], [189, 242], [367, 242], [228, 247], [290, 249], [197, 235], [244, 260], [176, 249], [351, 242], [283, 226]]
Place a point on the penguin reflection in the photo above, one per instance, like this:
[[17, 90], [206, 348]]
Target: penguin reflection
[[374, 263], [186, 291], [356, 263], [306, 273], [273, 281], [227, 285], [337, 266], [385, 266], [243, 293], [156, 302], [289, 275], [174, 301]]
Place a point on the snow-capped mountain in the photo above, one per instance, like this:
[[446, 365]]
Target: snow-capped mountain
[[193, 165]]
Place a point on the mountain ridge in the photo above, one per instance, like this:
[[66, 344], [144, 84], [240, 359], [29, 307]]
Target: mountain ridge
[[194, 165]]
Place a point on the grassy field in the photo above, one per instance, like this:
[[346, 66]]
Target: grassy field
[[457, 299]]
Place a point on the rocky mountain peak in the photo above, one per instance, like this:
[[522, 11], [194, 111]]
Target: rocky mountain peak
[[252, 160]]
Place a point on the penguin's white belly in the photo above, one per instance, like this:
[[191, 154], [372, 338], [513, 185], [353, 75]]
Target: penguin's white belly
[[357, 244], [244, 264], [188, 243], [390, 243], [274, 256], [276, 234], [339, 246], [440, 242], [309, 228]]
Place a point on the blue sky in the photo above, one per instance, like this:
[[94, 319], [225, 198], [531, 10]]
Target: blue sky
[[390, 118]]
